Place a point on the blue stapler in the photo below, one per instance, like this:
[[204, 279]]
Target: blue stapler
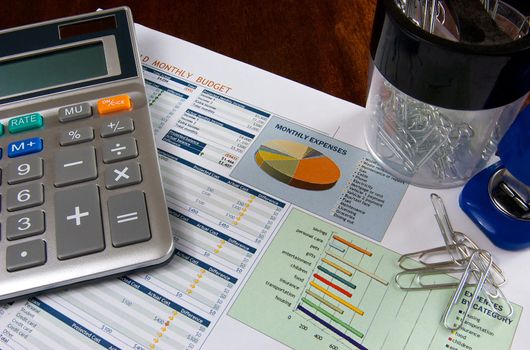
[[498, 198]]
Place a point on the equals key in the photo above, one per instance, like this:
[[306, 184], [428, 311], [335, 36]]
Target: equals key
[[129, 223]]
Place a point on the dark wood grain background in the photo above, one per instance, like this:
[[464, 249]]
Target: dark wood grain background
[[319, 43]]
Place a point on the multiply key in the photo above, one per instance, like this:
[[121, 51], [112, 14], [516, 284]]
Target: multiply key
[[122, 174]]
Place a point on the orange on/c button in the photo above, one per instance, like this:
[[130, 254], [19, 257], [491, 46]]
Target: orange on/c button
[[114, 104]]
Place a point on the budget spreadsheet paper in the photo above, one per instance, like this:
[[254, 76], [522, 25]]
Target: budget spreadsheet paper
[[273, 199]]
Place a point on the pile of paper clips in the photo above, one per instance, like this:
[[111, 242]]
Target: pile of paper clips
[[439, 268]]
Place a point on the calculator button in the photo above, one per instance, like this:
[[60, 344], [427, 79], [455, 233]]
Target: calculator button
[[128, 219], [23, 147], [117, 149], [25, 122], [25, 225], [25, 196], [1, 129], [122, 174], [79, 111], [117, 126], [114, 104], [78, 226], [25, 255], [24, 169], [76, 135], [75, 165]]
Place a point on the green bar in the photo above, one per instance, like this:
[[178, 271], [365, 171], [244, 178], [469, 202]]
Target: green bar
[[333, 318], [1, 129], [25, 122], [337, 277]]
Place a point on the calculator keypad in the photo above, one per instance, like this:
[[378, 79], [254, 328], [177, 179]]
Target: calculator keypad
[[68, 155], [76, 192]]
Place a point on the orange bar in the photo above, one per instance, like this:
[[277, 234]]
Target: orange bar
[[337, 298], [114, 104], [340, 268], [351, 245]]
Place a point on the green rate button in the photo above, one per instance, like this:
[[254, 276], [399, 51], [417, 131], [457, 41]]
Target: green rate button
[[25, 122]]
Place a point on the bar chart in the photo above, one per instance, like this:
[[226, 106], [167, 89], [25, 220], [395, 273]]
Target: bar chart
[[332, 286], [319, 286]]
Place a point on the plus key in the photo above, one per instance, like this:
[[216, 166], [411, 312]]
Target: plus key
[[79, 229]]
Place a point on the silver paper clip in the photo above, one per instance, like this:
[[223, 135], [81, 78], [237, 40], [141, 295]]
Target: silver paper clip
[[475, 265], [460, 246], [437, 268]]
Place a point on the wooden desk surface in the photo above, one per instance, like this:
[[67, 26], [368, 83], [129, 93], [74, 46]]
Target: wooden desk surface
[[319, 43]]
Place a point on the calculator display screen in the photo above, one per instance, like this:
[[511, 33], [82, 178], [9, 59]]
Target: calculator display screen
[[52, 68]]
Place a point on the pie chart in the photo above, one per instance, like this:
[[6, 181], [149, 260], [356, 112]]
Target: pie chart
[[297, 165]]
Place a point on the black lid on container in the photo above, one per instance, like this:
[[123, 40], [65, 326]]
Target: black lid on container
[[444, 73]]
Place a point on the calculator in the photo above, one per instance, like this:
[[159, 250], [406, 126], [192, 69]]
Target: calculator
[[81, 190]]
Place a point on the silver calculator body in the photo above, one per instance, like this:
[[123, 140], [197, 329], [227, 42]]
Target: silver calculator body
[[81, 191]]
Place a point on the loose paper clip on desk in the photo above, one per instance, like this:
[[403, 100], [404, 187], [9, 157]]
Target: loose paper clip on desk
[[498, 198]]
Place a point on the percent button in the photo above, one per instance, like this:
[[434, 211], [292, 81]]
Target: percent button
[[75, 136]]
